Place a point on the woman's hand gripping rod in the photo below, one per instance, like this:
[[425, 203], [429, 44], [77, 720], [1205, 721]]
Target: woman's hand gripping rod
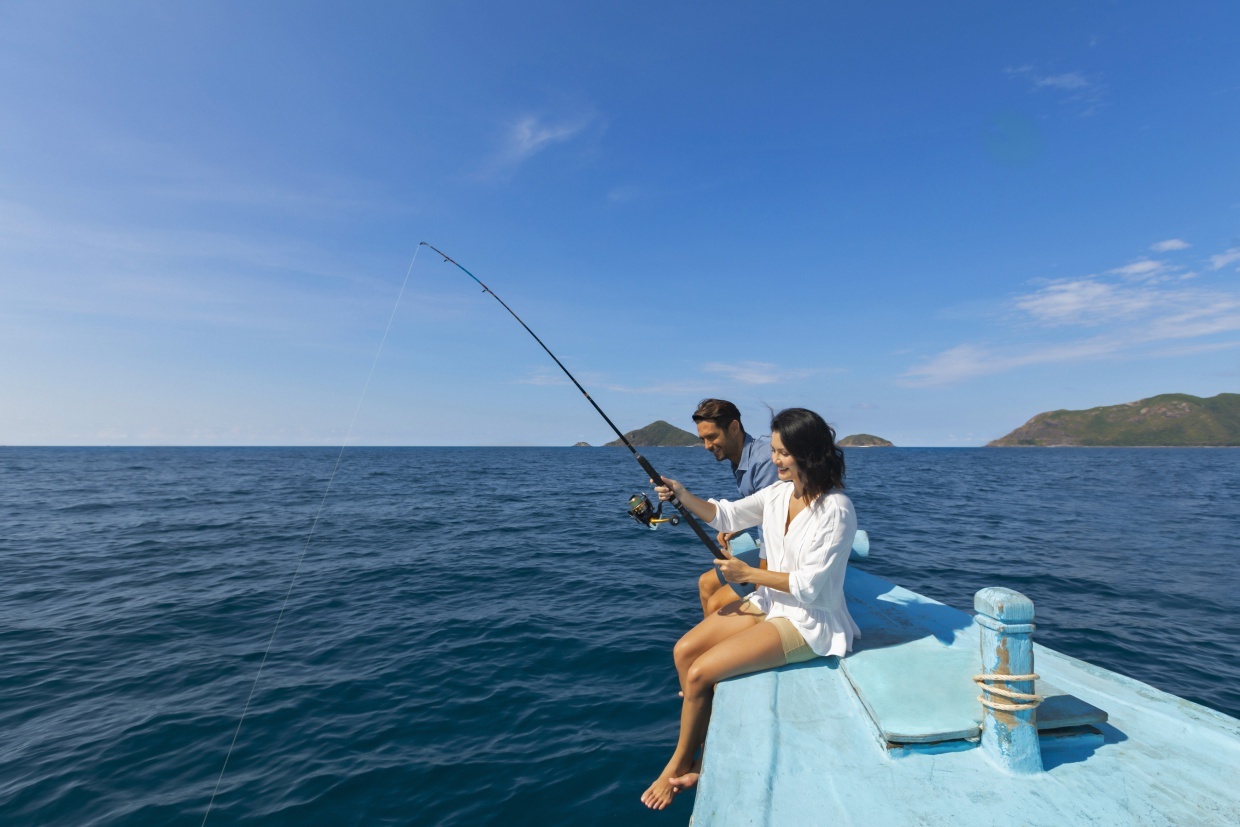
[[655, 476]]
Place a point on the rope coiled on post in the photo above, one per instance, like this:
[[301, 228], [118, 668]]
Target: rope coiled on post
[[1024, 700]]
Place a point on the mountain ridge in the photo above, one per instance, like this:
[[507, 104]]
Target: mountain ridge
[[1169, 420], [659, 434]]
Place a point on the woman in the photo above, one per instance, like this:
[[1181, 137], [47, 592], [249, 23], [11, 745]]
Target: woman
[[798, 611]]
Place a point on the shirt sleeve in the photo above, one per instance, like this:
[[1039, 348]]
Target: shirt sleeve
[[741, 514], [829, 547]]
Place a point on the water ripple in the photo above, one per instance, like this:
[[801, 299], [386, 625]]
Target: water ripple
[[485, 649]]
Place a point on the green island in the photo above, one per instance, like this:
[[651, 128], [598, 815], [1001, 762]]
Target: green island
[[865, 441], [1171, 420], [659, 434]]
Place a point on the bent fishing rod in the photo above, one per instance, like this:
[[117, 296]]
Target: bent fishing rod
[[706, 539]]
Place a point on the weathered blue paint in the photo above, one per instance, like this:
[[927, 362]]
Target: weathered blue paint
[[912, 666], [795, 746], [1005, 623], [860, 546], [912, 670]]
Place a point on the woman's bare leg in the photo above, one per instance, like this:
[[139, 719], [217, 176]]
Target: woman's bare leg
[[752, 649], [733, 619]]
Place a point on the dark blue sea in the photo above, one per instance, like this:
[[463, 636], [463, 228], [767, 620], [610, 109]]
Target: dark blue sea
[[482, 636]]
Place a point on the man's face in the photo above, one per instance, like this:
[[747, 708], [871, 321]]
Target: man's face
[[724, 444]]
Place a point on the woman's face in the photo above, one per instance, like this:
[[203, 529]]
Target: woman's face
[[782, 460]]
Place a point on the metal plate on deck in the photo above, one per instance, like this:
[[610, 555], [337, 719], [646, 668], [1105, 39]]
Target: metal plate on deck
[[1060, 710], [912, 667]]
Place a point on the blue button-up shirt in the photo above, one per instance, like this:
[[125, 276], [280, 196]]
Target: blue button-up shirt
[[755, 471]]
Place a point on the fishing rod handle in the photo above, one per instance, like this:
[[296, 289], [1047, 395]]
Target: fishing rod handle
[[706, 539]]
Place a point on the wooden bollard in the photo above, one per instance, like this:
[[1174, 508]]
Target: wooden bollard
[[1009, 707]]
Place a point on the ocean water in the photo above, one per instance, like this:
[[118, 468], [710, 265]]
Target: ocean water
[[482, 636]]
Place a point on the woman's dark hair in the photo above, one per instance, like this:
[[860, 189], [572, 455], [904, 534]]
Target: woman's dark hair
[[811, 442]]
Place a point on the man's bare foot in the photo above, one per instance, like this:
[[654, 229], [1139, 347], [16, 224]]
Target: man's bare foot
[[683, 782], [659, 794]]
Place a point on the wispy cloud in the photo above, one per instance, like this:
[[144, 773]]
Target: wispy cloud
[[550, 376], [1130, 307], [1077, 89], [1221, 260], [757, 373], [1068, 80], [67, 267], [1140, 270], [543, 376], [1086, 302], [1169, 245], [530, 135]]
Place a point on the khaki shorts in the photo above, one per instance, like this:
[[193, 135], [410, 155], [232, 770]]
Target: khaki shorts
[[795, 647]]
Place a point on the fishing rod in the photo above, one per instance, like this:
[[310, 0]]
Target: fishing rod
[[706, 539]]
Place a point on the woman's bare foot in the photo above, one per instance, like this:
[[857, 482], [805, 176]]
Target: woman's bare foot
[[659, 794]]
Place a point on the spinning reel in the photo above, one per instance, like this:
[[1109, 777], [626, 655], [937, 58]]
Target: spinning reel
[[641, 509]]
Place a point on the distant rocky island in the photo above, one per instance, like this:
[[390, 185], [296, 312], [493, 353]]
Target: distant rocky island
[[1169, 420], [659, 434], [864, 441]]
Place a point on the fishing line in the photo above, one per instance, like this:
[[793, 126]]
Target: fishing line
[[306, 546], [706, 539]]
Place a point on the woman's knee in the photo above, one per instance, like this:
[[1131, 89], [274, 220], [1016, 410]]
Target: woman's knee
[[699, 679], [708, 583], [684, 652]]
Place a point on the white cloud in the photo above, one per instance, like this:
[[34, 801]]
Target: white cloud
[[544, 376], [1086, 302], [1068, 80], [1129, 317], [971, 361], [1219, 313], [1076, 88], [1192, 350], [1169, 245], [756, 373], [530, 135], [1143, 269], [592, 381], [1221, 260]]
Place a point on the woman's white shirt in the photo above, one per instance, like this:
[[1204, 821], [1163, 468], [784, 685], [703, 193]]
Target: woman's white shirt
[[813, 552]]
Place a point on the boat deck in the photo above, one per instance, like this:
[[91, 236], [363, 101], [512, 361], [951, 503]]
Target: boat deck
[[812, 743]]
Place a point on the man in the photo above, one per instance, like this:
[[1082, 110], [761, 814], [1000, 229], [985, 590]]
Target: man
[[719, 426]]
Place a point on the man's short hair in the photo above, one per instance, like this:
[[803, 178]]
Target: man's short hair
[[719, 411]]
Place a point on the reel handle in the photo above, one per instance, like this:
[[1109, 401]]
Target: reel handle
[[706, 539]]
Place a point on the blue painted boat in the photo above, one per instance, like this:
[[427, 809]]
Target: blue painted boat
[[938, 717]]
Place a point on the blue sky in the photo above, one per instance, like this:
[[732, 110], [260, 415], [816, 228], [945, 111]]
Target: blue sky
[[926, 221]]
